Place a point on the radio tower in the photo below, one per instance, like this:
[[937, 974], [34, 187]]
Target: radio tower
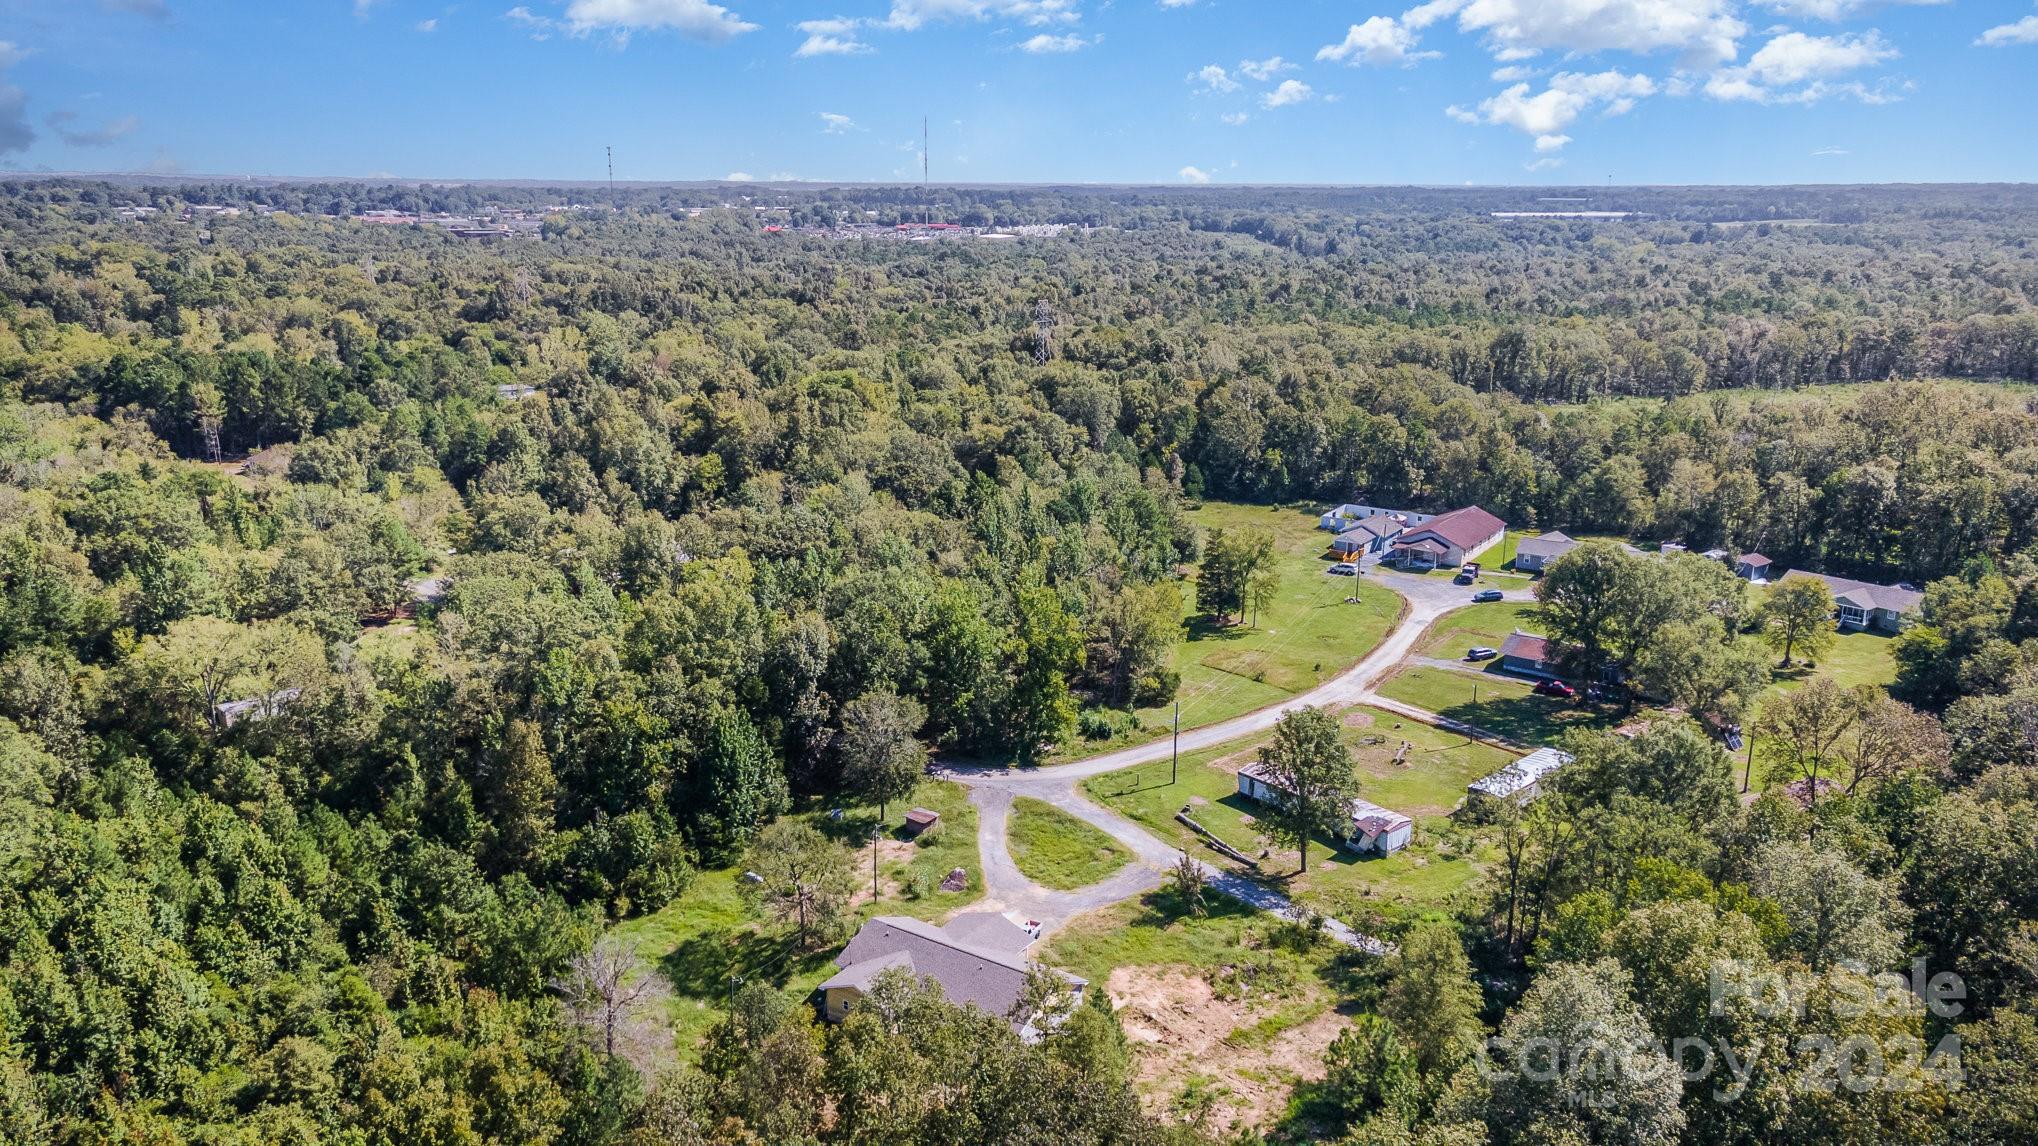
[[926, 188], [1043, 332], [612, 177]]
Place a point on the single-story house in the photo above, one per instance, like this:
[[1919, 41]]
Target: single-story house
[[1865, 605], [1448, 539], [1753, 567], [1527, 653], [1339, 518], [977, 959], [1366, 540], [1522, 780], [1536, 553], [1374, 830]]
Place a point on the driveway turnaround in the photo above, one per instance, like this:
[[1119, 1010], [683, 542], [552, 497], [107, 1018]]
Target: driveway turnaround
[[992, 789]]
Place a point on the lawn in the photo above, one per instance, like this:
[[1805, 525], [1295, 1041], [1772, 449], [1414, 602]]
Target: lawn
[[1454, 632], [1425, 783], [709, 936], [1057, 850], [1306, 636], [1855, 659], [1500, 704]]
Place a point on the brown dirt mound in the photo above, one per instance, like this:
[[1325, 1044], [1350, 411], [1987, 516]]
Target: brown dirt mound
[[1178, 1029]]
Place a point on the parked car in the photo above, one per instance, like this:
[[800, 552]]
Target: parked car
[[1464, 578], [1344, 569], [1471, 567], [1485, 595], [1480, 653], [1556, 688]]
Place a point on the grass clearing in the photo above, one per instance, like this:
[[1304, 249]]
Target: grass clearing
[[1306, 636], [1501, 704], [709, 936], [1054, 849], [1460, 629], [1425, 783]]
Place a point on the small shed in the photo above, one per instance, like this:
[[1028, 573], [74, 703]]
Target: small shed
[[920, 819]]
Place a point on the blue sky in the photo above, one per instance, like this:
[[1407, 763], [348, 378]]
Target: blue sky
[[1145, 91]]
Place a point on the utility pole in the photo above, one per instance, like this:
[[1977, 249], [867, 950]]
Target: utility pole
[[1175, 764], [874, 833]]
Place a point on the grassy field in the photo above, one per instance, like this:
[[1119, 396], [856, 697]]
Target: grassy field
[[1306, 636], [1424, 783], [1460, 629], [710, 935], [1497, 703], [1057, 850]]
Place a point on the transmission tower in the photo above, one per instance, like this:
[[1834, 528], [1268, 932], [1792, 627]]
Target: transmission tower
[[1043, 332], [612, 177]]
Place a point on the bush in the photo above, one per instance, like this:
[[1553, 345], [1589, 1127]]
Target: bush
[[931, 836]]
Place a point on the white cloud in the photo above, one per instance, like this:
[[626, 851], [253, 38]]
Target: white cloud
[[1213, 79], [1290, 91], [2024, 31], [832, 37], [1512, 74], [693, 19], [1264, 70], [1551, 142], [1381, 41], [536, 26], [1796, 68], [1545, 114], [908, 15], [10, 54], [428, 26], [1703, 33], [1176, 3], [1194, 175], [1234, 118], [1044, 43], [1544, 163], [1830, 152], [834, 124], [739, 177], [1836, 9]]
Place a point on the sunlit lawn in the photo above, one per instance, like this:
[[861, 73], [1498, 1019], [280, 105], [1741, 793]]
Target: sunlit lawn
[[1057, 850], [709, 934], [1500, 704], [1487, 625], [1306, 636], [1425, 785]]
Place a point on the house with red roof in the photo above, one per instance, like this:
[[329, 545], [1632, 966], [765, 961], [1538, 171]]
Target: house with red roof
[[1447, 539]]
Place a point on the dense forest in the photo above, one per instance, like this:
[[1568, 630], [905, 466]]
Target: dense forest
[[695, 522]]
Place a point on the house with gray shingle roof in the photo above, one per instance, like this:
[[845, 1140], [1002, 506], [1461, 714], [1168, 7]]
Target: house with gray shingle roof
[[1866, 605], [1535, 554], [977, 959]]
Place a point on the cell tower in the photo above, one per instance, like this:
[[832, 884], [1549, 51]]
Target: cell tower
[[1043, 332], [612, 177], [926, 188]]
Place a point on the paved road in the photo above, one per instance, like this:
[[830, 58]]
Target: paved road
[[992, 789]]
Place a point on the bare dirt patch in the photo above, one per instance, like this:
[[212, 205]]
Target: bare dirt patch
[[890, 854], [1179, 1030], [1357, 718]]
